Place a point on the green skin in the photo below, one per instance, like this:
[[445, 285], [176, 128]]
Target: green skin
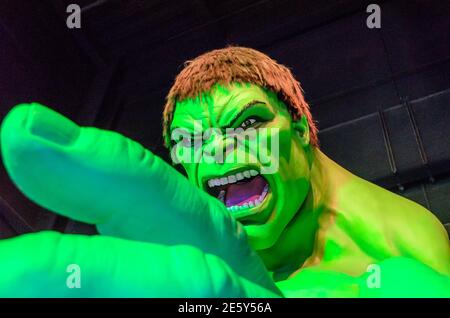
[[163, 237]]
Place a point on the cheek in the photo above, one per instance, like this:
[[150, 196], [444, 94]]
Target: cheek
[[283, 137], [297, 167], [293, 159], [273, 146]]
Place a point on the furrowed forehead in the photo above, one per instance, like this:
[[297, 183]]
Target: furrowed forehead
[[191, 110], [218, 105]]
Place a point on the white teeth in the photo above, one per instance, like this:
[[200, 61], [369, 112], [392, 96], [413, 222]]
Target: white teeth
[[266, 188], [250, 204], [232, 178], [221, 196]]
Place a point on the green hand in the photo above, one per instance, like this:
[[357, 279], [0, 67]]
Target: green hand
[[406, 278], [395, 277], [103, 178], [36, 265]]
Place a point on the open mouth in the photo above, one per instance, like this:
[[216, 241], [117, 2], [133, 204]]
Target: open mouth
[[240, 191]]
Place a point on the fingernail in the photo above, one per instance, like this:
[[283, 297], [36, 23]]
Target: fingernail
[[51, 126]]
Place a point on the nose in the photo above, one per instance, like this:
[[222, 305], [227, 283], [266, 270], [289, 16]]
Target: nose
[[218, 146]]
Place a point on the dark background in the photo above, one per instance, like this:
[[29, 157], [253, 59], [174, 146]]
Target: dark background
[[380, 96]]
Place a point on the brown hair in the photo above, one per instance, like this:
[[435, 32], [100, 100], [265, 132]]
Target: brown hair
[[242, 65]]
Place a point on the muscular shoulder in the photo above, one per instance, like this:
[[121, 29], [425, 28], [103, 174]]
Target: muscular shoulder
[[385, 224]]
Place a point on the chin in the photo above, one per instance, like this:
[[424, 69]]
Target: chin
[[263, 236], [255, 201], [281, 214]]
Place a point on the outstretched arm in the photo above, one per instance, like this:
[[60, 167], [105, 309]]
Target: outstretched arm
[[396, 277], [101, 177]]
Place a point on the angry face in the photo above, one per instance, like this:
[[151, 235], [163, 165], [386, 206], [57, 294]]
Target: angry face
[[246, 151]]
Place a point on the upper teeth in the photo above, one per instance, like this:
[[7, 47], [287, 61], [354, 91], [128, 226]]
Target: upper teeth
[[232, 178]]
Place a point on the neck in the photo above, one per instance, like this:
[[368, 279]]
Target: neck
[[298, 240]]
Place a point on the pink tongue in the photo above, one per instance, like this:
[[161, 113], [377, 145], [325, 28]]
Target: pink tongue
[[243, 192]]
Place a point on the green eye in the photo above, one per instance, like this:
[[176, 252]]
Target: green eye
[[248, 122]]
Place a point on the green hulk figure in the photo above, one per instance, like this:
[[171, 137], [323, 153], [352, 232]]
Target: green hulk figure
[[296, 225]]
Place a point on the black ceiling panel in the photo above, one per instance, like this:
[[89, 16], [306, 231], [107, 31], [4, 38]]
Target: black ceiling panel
[[415, 33], [380, 96], [366, 155]]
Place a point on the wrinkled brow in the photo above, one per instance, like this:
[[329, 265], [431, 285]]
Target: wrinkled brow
[[244, 109]]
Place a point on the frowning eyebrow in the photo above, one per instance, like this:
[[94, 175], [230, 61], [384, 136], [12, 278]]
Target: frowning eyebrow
[[243, 110]]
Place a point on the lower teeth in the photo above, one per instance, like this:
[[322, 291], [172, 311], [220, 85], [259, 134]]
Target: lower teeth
[[247, 205]]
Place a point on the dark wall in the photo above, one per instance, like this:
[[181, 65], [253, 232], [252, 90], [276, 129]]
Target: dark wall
[[380, 96], [38, 62]]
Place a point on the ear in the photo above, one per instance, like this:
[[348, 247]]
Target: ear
[[302, 128]]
